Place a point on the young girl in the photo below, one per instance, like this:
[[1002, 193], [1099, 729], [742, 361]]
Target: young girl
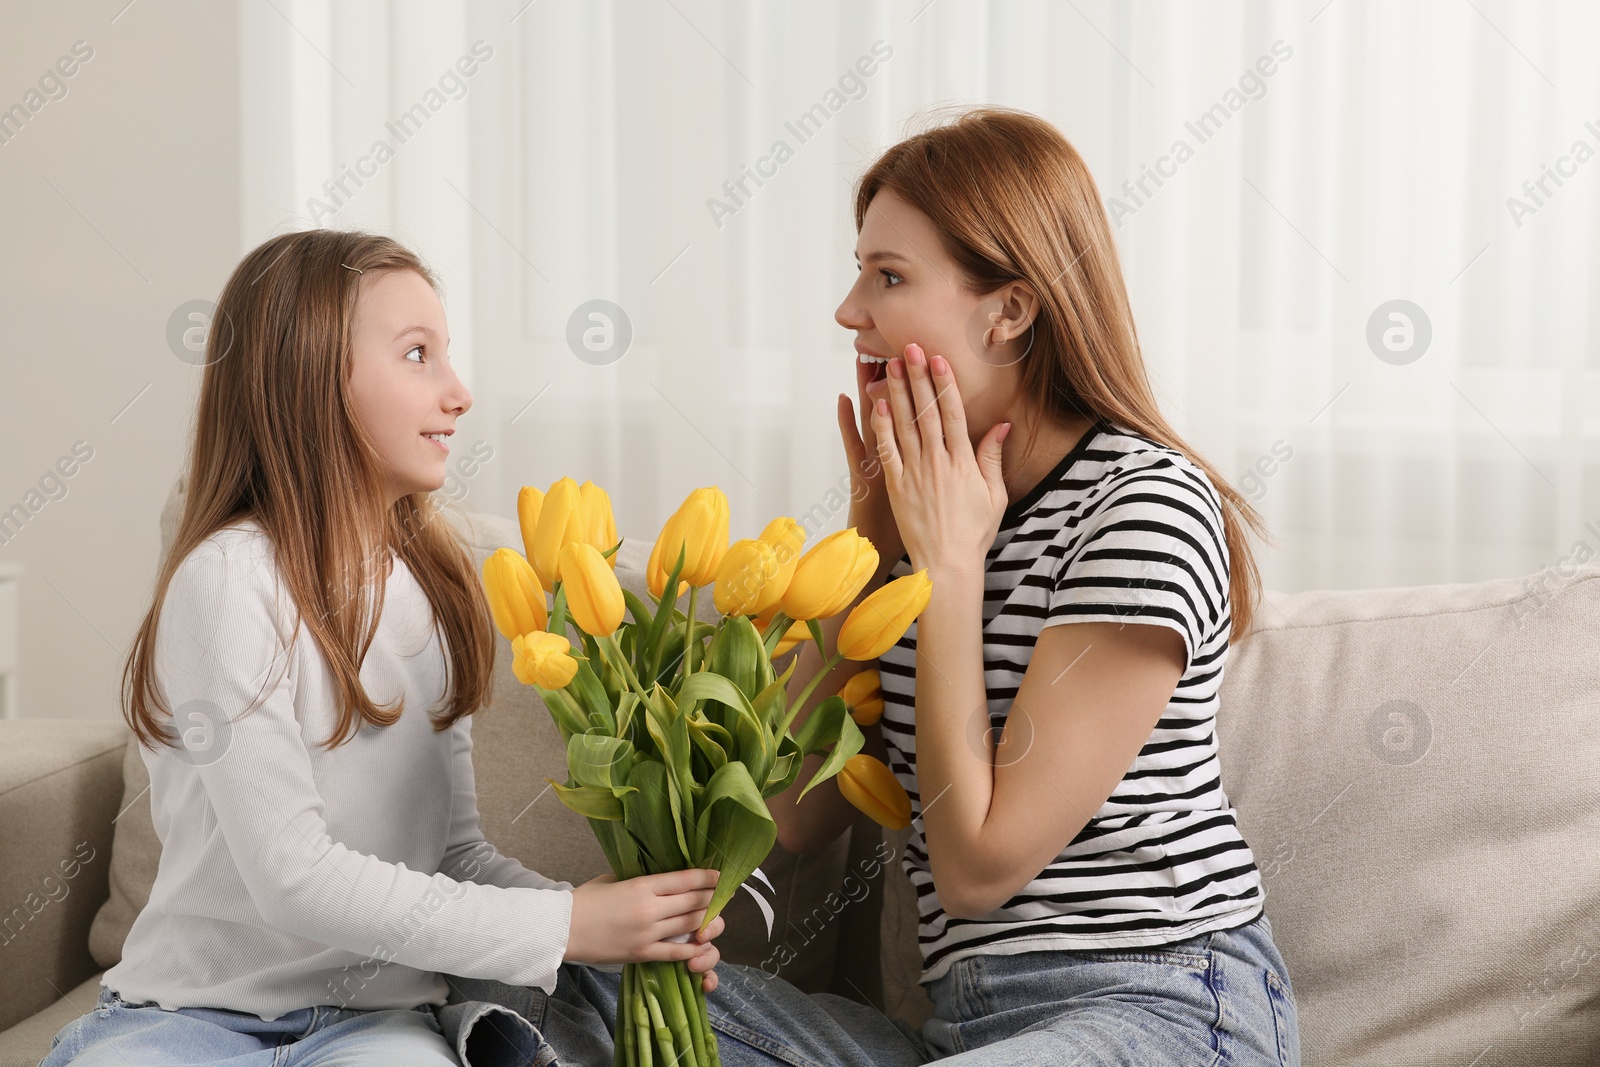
[[1085, 894], [322, 868]]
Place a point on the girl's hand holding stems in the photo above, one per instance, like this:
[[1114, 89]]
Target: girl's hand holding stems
[[630, 921]]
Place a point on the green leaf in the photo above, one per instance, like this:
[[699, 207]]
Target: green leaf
[[664, 615], [589, 695], [642, 615], [775, 631], [558, 611], [708, 685], [671, 733], [756, 749], [668, 657], [627, 705], [822, 726], [815, 626], [702, 734], [609, 674], [849, 743], [648, 817], [734, 832], [765, 677], [599, 760], [621, 850], [772, 701], [785, 769], [589, 802], [737, 654], [564, 710]]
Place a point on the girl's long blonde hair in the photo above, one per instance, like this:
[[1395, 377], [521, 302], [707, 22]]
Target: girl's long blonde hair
[[276, 440], [1014, 201]]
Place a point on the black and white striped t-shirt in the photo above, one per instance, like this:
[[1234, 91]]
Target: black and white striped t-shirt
[[1122, 530]]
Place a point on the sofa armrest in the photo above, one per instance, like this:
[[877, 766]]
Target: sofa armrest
[[60, 784]]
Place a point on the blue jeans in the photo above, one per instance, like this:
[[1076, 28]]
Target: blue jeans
[[1219, 998], [118, 1034], [1222, 997], [486, 1024]]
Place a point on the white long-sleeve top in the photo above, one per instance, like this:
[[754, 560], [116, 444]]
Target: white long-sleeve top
[[292, 875]]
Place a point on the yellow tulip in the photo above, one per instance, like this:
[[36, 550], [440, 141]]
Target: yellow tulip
[[748, 582], [787, 537], [543, 659], [868, 784], [530, 498], [599, 523], [866, 565], [883, 618], [699, 528], [560, 524], [594, 596], [516, 600], [830, 576], [863, 695], [796, 633], [656, 575]]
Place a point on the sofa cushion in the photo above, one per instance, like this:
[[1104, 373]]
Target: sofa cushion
[[1418, 773], [28, 1042], [135, 853], [59, 798], [515, 747]]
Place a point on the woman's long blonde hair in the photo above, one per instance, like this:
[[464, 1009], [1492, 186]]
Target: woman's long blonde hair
[[276, 440], [1014, 201]]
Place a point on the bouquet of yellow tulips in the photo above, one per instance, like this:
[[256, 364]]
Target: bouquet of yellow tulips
[[677, 730]]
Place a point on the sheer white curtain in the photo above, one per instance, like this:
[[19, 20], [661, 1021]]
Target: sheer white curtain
[[1279, 174]]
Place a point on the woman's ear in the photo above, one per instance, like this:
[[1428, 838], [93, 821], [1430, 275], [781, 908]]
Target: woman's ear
[[1019, 305]]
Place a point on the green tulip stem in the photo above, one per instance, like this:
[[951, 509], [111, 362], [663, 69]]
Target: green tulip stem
[[780, 623], [688, 633], [694, 1013], [805, 694], [713, 1057], [652, 998], [641, 1022], [674, 1009], [611, 645], [625, 1041]]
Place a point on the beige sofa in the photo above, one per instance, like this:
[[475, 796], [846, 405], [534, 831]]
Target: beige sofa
[[1417, 770]]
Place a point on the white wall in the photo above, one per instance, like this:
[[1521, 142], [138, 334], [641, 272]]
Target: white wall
[[119, 201]]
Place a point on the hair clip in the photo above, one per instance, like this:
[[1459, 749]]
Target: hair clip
[[347, 266]]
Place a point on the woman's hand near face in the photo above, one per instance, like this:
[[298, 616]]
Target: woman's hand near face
[[948, 497], [870, 511]]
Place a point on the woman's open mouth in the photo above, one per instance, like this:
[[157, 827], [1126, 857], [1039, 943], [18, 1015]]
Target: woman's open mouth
[[869, 369]]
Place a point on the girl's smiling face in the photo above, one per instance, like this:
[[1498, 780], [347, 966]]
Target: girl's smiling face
[[911, 290], [401, 381]]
